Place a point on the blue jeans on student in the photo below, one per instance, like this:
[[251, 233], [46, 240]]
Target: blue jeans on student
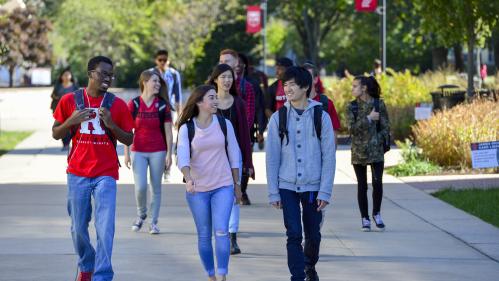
[[156, 163], [211, 211], [298, 257], [80, 192], [234, 214]]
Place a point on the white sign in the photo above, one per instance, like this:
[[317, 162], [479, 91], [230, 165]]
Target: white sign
[[422, 111], [41, 76], [485, 154]]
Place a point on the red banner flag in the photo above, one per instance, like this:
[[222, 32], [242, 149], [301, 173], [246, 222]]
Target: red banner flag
[[366, 5], [253, 19]]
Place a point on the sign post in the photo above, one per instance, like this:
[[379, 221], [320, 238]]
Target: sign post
[[370, 6]]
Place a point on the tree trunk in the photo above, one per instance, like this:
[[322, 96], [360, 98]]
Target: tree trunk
[[439, 57], [11, 75], [458, 57], [470, 68], [311, 40]]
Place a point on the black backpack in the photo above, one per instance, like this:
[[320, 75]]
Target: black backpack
[[325, 102], [162, 106], [283, 122], [355, 110], [106, 103]]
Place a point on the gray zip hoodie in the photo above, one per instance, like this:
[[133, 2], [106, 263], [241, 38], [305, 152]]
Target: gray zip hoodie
[[305, 163]]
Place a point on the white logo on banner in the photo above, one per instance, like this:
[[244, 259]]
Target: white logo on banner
[[366, 3]]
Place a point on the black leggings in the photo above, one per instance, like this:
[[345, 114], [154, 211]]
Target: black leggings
[[377, 182], [244, 182]]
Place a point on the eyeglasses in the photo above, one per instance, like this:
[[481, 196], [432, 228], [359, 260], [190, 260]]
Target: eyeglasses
[[104, 75], [162, 60]]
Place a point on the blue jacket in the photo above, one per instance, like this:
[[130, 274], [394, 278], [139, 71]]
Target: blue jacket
[[305, 163]]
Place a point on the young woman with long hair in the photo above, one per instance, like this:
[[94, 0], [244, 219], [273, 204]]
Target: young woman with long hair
[[233, 108], [369, 127], [152, 145], [208, 156]]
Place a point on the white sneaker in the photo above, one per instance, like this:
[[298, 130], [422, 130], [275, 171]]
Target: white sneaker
[[153, 229], [366, 225], [137, 225]]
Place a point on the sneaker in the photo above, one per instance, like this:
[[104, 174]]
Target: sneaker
[[366, 225], [245, 200], [84, 276], [137, 225], [379, 222], [153, 229], [311, 274]]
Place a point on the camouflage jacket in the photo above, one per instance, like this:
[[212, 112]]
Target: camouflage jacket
[[367, 142]]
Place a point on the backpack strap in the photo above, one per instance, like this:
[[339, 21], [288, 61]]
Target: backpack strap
[[107, 103], [136, 105], [283, 124], [376, 108], [325, 102], [190, 133], [79, 99], [162, 107], [223, 126], [318, 120], [354, 105]]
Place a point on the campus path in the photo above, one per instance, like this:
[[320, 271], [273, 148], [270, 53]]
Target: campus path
[[426, 239]]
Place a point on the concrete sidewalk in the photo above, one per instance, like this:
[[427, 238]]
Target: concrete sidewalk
[[426, 239]]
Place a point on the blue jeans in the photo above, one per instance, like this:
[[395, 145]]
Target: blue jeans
[[234, 214], [211, 211], [156, 163], [80, 192], [298, 257]]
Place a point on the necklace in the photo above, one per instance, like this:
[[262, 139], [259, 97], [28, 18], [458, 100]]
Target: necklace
[[88, 99]]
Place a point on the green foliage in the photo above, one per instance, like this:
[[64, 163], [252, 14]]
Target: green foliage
[[414, 162], [122, 32], [9, 140], [478, 202], [276, 36]]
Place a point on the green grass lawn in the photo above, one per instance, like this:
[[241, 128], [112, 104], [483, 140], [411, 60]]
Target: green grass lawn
[[483, 203], [9, 140]]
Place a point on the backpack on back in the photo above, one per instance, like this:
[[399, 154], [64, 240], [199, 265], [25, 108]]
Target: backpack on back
[[283, 122]]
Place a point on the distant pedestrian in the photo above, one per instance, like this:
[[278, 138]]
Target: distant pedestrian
[[209, 158], [65, 84], [369, 127], [300, 154], [152, 145], [96, 119], [172, 79]]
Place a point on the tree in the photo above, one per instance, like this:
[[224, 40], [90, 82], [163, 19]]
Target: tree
[[24, 38], [313, 20], [455, 21]]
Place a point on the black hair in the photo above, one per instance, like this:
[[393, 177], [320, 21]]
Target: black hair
[[301, 75], [284, 61], [67, 69], [217, 71], [245, 60], [94, 62], [372, 87], [161, 52]]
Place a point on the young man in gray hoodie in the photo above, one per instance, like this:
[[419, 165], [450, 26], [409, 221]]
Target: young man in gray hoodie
[[300, 154]]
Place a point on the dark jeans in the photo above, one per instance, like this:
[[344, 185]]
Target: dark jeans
[[377, 182], [298, 257]]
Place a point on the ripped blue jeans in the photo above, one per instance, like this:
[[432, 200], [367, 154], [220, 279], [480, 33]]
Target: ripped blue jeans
[[211, 212]]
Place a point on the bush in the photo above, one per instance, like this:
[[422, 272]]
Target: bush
[[445, 138], [414, 162], [400, 90]]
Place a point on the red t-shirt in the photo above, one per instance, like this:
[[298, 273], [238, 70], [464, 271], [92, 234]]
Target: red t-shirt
[[280, 96], [92, 153], [332, 112], [147, 137]]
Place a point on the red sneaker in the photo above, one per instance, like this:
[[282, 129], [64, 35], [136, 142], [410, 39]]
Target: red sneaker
[[85, 276]]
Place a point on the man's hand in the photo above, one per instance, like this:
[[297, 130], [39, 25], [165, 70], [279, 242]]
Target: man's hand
[[79, 116], [276, 205], [105, 116], [321, 204]]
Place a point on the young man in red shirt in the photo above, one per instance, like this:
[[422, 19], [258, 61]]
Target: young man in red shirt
[[275, 97], [95, 119], [320, 97]]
